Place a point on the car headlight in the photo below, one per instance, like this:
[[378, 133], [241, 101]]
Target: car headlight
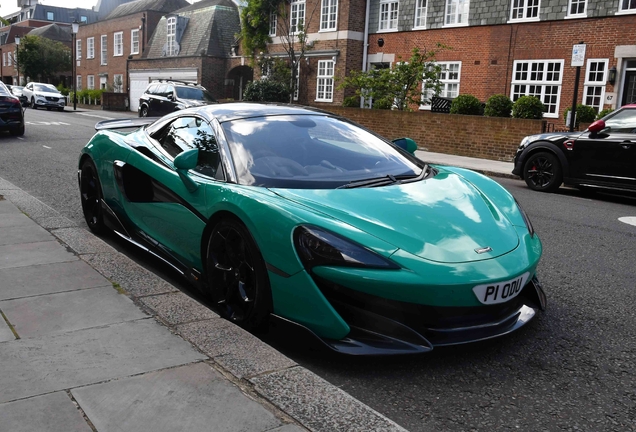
[[524, 141], [316, 247], [526, 219]]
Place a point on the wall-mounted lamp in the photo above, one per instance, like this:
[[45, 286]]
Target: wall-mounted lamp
[[334, 59], [612, 75], [380, 42], [307, 60], [234, 50]]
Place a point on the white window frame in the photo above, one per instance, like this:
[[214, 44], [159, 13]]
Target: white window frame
[[626, 7], [273, 22], [577, 4], [103, 83], [78, 83], [389, 15], [525, 10], [134, 41], [10, 57], [537, 79], [595, 81], [450, 77], [328, 15], [103, 50], [115, 88], [421, 8], [90, 82], [456, 13], [90, 47], [78, 49], [4, 59], [118, 45], [297, 15], [171, 35], [324, 80]]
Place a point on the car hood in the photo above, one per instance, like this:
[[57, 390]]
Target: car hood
[[553, 136], [444, 218], [192, 102], [47, 94]]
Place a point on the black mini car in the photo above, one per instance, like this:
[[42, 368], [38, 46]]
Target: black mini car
[[11, 113], [163, 97], [601, 157]]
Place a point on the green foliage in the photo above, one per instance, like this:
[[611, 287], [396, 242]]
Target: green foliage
[[86, 95], [398, 86], [276, 69], [42, 59], [64, 90], [528, 107], [584, 114], [255, 24], [467, 105], [266, 90], [351, 102], [498, 105], [603, 113]]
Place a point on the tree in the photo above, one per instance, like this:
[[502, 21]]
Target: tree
[[399, 86], [255, 30], [41, 58]]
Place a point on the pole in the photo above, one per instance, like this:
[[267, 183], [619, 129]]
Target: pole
[[575, 97], [74, 76], [17, 53]]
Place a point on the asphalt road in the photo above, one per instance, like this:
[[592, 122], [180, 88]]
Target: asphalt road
[[570, 369]]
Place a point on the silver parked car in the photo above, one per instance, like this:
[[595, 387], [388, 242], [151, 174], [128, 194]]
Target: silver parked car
[[44, 96]]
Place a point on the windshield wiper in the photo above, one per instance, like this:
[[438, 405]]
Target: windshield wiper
[[386, 180]]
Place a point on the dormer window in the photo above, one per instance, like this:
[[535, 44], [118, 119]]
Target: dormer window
[[172, 36], [50, 16]]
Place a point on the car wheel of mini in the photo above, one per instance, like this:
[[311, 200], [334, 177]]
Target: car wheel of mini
[[542, 172]]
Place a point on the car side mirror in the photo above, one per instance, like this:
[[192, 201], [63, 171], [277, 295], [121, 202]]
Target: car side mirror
[[406, 143], [597, 126], [185, 161], [170, 97]]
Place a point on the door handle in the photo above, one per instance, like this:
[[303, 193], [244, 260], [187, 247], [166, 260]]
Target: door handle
[[626, 144]]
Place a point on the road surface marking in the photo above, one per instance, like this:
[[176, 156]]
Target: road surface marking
[[98, 116], [43, 123], [46, 147], [630, 220]]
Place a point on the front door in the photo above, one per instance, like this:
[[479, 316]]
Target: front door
[[629, 92]]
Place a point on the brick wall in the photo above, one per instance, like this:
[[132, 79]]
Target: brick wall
[[474, 136]]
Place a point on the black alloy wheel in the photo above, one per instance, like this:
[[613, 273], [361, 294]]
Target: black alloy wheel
[[33, 105], [542, 172], [237, 276], [91, 195], [144, 111]]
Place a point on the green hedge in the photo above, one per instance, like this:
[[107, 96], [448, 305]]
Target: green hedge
[[467, 105], [498, 105], [528, 107]]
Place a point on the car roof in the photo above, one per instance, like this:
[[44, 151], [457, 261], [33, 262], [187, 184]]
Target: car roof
[[239, 110]]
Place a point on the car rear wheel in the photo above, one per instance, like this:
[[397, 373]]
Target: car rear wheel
[[237, 276], [542, 172], [19, 131], [91, 195], [60, 109], [143, 112], [33, 105]]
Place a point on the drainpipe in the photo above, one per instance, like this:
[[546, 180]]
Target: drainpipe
[[365, 46], [1, 73]]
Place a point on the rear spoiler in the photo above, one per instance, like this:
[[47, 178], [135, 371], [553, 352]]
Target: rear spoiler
[[125, 123]]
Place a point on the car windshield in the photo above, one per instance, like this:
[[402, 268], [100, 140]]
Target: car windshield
[[45, 88], [312, 152], [621, 121], [194, 93]]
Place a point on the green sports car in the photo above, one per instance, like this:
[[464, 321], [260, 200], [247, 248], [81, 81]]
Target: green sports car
[[294, 214]]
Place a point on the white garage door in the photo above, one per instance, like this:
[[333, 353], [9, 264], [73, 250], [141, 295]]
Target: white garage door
[[139, 80]]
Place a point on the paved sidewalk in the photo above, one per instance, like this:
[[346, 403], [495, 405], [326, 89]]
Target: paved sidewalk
[[90, 341], [484, 166]]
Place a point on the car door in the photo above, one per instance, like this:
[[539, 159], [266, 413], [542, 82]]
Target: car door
[[608, 156], [155, 100], [167, 211]]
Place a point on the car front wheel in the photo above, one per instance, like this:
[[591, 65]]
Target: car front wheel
[[237, 276], [91, 196], [542, 172], [33, 105], [143, 112]]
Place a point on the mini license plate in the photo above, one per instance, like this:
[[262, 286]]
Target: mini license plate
[[500, 292]]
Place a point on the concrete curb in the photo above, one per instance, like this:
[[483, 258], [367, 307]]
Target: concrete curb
[[264, 374]]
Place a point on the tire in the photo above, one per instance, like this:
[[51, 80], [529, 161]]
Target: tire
[[237, 276], [33, 105], [144, 111], [48, 108], [19, 131], [542, 172], [91, 196], [60, 109]]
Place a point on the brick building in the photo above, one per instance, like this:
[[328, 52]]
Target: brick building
[[193, 44], [506, 47], [105, 48]]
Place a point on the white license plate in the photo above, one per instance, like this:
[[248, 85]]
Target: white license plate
[[500, 292]]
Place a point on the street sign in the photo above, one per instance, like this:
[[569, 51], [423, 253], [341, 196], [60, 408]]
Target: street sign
[[578, 55]]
